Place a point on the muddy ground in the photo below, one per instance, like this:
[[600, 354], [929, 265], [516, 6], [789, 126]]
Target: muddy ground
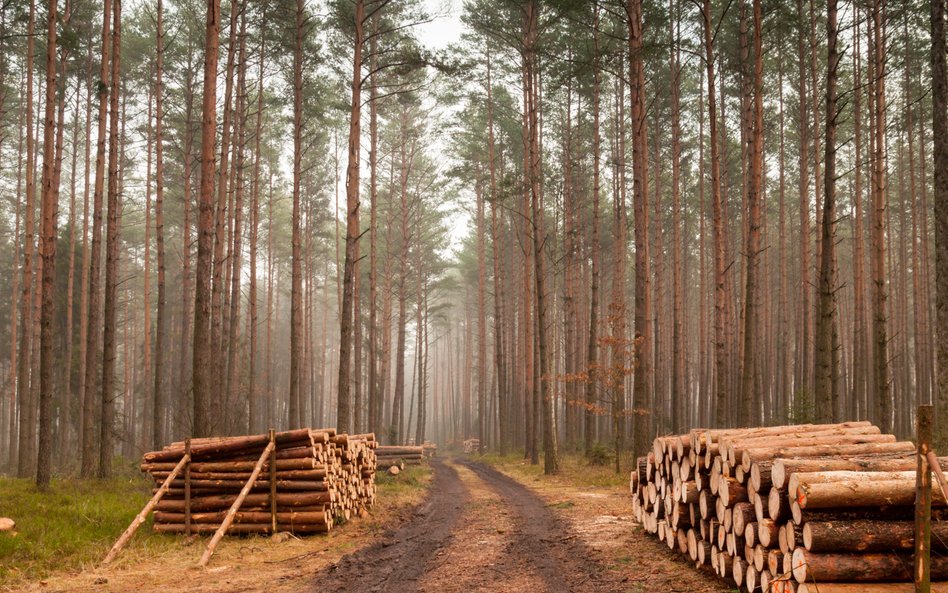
[[482, 530]]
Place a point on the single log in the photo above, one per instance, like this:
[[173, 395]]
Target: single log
[[241, 528], [741, 516], [293, 474], [767, 531], [778, 505], [760, 475], [860, 493], [866, 588], [883, 444], [793, 484], [752, 579], [859, 568], [258, 485], [868, 535], [731, 491], [291, 517], [782, 468]]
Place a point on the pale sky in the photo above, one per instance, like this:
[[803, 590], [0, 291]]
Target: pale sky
[[446, 27]]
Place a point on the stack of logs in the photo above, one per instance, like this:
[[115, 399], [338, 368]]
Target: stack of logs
[[471, 446], [320, 477], [398, 456], [781, 508], [429, 449]]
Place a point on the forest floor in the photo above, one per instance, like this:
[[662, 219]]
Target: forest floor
[[490, 525], [498, 525], [63, 535]]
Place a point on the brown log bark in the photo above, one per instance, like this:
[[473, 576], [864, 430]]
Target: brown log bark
[[860, 493], [860, 449], [782, 469], [867, 535], [866, 588], [862, 568]]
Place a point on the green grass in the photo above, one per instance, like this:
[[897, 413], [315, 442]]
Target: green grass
[[73, 523], [409, 479], [574, 469]]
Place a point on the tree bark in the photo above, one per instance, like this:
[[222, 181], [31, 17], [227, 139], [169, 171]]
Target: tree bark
[[107, 403], [26, 430], [50, 210], [201, 372], [940, 199], [343, 406]]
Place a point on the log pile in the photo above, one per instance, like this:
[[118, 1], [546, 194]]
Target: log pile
[[399, 456], [429, 449], [310, 480], [471, 446], [781, 508]]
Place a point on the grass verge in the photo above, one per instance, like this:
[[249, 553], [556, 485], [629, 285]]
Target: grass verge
[[71, 524], [574, 469]]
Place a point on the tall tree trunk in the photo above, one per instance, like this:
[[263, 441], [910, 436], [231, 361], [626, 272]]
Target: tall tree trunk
[[201, 371], [860, 349], [26, 430], [232, 381], [50, 207], [940, 199], [161, 329], [720, 265], [642, 333], [482, 420], [802, 383], [343, 409], [374, 382], [679, 388], [106, 434], [749, 395], [550, 457], [219, 343], [880, 292], [89, 441], [827, 379], [253, 417], [592, 356], [496, 240]]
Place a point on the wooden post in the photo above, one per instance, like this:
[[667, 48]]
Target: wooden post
[[229, 518], [273, 488], [187, 488], [923, 501], [140, 518]]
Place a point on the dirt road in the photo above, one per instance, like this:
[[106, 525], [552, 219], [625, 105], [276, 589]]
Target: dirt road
[[479, 531]]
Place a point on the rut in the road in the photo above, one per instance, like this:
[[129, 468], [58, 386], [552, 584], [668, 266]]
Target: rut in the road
[[540, 546]]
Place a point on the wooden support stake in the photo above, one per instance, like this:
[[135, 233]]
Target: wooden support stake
[[140, 518], [273, 488], [222, 530], [187, 488], [923, 501]]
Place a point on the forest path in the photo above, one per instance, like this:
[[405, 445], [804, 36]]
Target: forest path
[[479, 530]]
